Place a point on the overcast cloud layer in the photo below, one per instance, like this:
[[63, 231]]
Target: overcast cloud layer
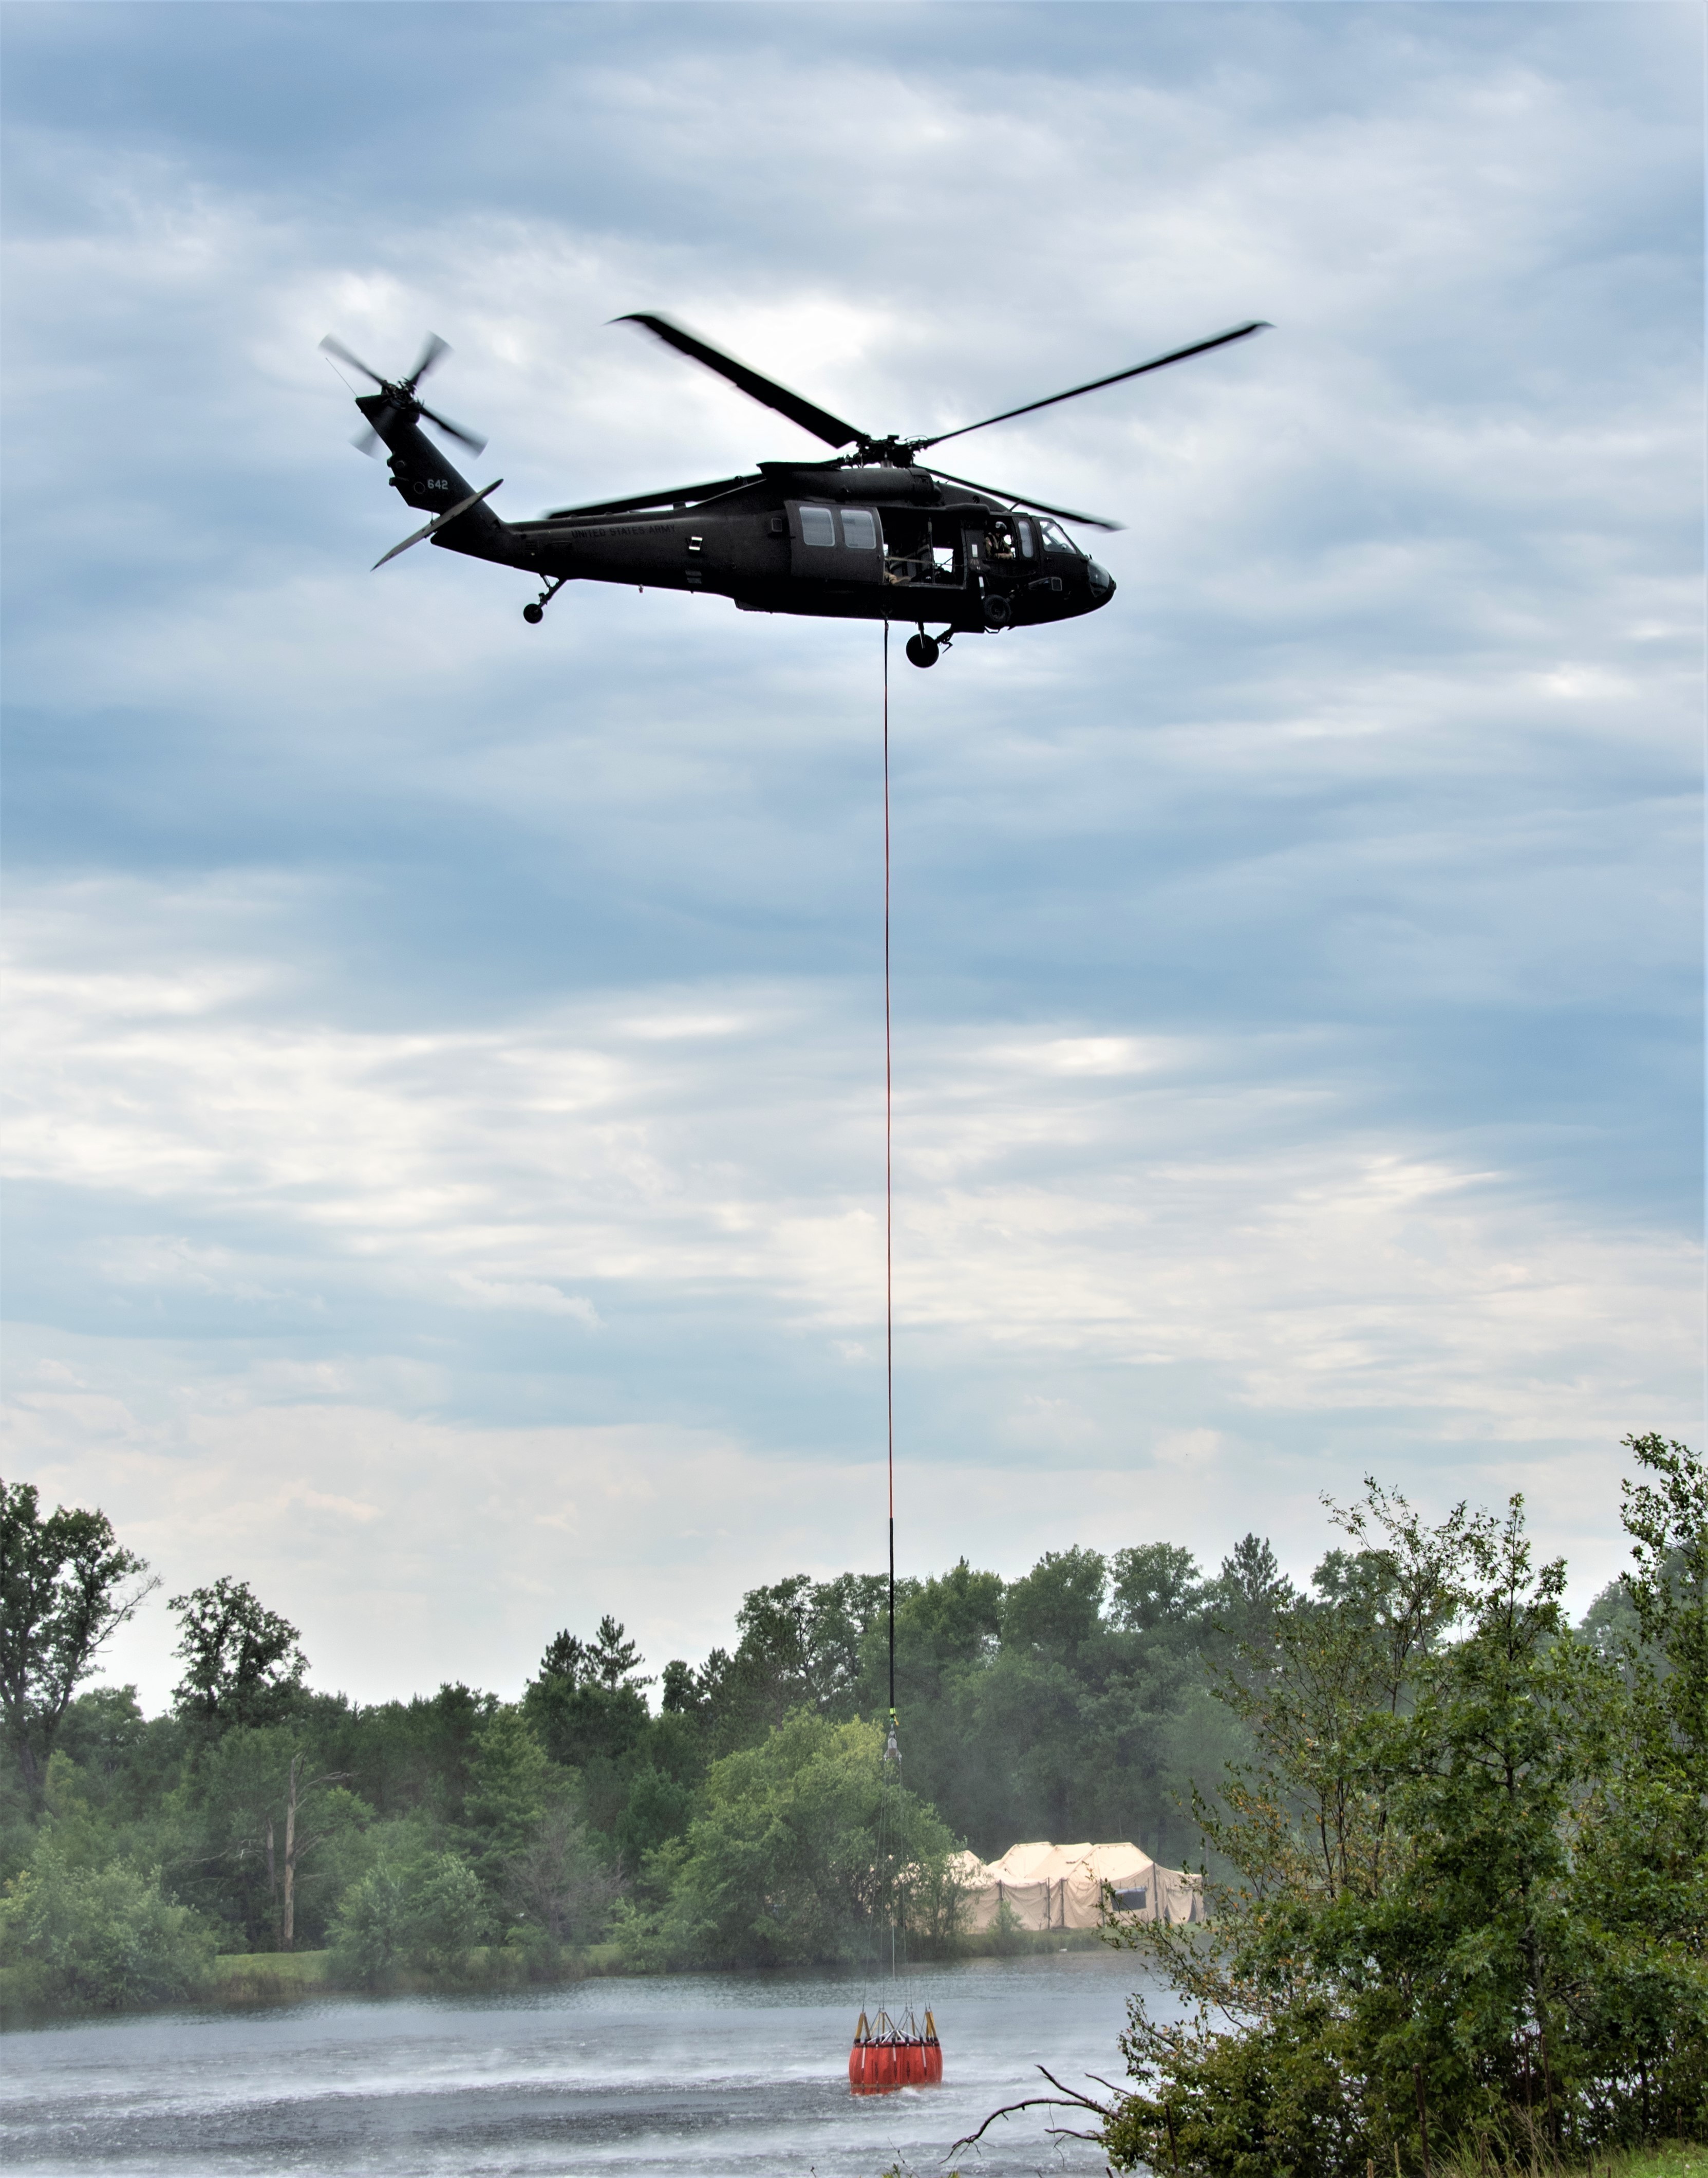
[[446, 1056]]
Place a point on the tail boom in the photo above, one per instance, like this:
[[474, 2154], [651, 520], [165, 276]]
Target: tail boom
[[424, 479]]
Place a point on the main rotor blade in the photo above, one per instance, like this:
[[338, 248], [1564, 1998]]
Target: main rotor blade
[[1156, 362], [807, 414], [468, 439], [681, 495], [1037, 505], [335, 346], [434, 350]]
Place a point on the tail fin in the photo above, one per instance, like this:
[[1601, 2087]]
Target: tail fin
[[425, 480]]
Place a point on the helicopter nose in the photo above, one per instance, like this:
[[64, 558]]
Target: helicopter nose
[[1102, 583]]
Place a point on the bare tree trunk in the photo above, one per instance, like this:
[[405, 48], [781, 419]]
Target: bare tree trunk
[[272, 1871], [287, 1939]]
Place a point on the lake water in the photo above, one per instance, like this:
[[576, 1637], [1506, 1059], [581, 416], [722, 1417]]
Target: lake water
[[739, 2076]]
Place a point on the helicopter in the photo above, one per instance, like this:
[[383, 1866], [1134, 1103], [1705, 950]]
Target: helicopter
[[871, 534]]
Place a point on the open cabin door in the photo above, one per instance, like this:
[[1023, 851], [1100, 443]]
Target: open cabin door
[[835, 543]]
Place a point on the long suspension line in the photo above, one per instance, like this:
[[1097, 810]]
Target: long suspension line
[[890, 2051], [889, 1202]]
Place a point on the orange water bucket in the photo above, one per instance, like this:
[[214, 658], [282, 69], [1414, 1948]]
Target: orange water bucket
[[886, 2056]]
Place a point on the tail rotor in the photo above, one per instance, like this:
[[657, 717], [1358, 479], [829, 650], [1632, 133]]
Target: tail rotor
[[401, 392]]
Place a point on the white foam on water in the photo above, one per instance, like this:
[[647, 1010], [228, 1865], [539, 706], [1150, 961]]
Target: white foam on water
[[732, 2076]]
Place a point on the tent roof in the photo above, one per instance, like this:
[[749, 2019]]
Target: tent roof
[[1119, 1865], [1040, 1861]]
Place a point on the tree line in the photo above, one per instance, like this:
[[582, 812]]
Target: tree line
[[1456, 1846], [259, 1813]]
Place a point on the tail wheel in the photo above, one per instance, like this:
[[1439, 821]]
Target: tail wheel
[[921, 649]]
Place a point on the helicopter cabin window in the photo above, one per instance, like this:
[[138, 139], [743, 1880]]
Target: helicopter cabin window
[[1027, 547], [1055, 540], [817, 525], [859, 527]]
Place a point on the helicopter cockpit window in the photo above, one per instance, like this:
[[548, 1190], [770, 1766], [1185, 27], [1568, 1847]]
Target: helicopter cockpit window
[[817, 526], [1028, 548], [1055, 540], [859, 527]]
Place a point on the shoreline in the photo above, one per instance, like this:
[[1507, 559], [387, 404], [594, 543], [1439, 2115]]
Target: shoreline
[[248, 1981]]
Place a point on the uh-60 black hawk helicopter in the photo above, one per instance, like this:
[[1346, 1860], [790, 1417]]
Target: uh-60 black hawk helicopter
[[873, 533]]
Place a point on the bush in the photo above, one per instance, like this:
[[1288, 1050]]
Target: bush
[[1278, 2098], [424, 1914], [85, 1938], [808, 1847]]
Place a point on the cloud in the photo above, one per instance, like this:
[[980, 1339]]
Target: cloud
[[411, 1549], [437, 1044], [1114, 1260]]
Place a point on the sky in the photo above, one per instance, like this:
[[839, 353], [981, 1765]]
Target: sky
[[444, 1058]]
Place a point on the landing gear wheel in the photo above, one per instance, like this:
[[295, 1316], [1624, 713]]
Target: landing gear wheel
[[533, 614], [921, 650]]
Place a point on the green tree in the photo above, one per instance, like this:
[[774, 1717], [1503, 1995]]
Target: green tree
[[678, 1692], [243, 1664], [1611, 1625], [513, 1783], [414, 1757], [943, 1623], [1457, 1816], [1639, 1838], [271, 1808], [808, 1848], [1156, 1587], [658, 1806], [613, 1660], [102, 1733], [1317, 1951], [1668, 1522], [1250, 1596], [565, 1657], [1070, 1703], [1029, 1707], [586, 1705], [129, 1762], [66, 1584], [803, 1642], [415, 1910], [948, 1630], [559, 1881], [1057, 1610]]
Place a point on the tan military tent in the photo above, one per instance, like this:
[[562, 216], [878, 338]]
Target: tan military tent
[[1070, 1886]]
